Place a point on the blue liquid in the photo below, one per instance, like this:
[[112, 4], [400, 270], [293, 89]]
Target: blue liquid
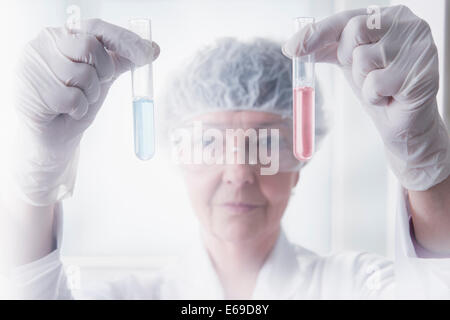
[[144, 128]]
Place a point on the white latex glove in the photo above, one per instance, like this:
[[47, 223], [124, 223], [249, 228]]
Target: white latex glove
[[62, 80], [394, 72]]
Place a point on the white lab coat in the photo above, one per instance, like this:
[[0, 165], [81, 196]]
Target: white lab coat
[[290, 272]]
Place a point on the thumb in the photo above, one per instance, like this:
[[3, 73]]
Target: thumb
[[295, 46], [123, 64]]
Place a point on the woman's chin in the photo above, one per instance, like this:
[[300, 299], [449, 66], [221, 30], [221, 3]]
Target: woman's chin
[[237, 233]]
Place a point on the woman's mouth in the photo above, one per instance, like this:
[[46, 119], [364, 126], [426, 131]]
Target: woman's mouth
[[239, 207]]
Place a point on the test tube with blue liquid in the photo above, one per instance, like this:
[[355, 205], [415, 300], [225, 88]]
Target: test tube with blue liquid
[[143, 106]]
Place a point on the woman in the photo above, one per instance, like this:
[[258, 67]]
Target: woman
[[242, 251]]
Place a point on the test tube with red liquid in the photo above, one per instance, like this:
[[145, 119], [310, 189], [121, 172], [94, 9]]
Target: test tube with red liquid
[[303, 98]]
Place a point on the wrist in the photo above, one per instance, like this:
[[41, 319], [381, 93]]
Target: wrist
[[42, 182], [422, 161]]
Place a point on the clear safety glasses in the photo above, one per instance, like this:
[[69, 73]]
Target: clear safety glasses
[[267, 149]]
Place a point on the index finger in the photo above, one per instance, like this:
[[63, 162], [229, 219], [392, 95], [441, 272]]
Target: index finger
[[123, 42], [320, 35]]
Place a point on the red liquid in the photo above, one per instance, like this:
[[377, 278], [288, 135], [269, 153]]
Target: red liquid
[[303, 122]]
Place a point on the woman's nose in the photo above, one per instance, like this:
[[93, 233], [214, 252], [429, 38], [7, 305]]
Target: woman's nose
[[239, 174]]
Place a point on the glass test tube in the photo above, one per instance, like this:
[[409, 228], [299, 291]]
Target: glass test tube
[[143, 107], [303, 99]]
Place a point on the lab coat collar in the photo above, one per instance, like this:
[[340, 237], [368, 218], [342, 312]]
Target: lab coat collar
[[200, 280], [276, 279]]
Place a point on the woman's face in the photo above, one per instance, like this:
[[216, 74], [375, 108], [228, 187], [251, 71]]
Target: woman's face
[[234, 202]]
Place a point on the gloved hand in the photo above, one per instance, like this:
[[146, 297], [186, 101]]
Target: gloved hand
[[62, 80], [394, 72]]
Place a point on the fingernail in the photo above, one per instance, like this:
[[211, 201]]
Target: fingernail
[[285, 53], [290, 47], [155, 50]]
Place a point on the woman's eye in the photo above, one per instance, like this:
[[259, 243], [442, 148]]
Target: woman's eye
[[207, 141], [283, 143], [267, 141]]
